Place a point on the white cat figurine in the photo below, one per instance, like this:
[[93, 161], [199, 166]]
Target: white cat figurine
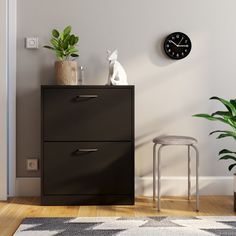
[[117, 74]]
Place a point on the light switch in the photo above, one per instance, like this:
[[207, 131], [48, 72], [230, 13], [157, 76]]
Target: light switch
[[32, 42]]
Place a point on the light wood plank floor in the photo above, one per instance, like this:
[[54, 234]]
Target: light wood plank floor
[[16, 209]]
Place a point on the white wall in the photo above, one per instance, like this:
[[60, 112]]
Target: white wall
[[168, 92]]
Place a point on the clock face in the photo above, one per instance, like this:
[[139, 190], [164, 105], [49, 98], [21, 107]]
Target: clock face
[[177, 45]]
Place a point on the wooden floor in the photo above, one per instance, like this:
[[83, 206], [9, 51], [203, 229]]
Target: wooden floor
[[16, 209]]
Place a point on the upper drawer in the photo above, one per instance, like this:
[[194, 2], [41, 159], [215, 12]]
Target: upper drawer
[[87, 114]]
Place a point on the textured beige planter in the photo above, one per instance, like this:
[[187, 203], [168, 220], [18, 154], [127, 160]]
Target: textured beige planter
[[235, 192], [66, 72]]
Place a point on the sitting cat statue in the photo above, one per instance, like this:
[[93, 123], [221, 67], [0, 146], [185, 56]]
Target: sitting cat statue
[[117, 74]]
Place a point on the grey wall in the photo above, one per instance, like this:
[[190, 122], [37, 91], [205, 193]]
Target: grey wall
[[167, 92]]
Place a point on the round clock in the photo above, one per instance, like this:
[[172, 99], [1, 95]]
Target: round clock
[[177, 45]]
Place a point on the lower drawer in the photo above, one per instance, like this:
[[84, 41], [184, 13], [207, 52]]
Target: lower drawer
[[77, 168]]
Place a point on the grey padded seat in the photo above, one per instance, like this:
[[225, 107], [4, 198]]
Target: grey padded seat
[[175, 140]]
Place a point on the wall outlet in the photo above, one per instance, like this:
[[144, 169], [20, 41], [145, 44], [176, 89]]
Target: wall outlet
[[32, 164], [32, 42]]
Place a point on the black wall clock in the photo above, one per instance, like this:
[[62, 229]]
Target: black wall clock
[[177, 45]]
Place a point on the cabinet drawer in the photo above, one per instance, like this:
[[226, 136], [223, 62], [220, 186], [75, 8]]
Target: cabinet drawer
[[89, 168], [83, 114]]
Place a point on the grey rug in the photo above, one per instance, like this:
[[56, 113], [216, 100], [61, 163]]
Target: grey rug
[[138, 226]]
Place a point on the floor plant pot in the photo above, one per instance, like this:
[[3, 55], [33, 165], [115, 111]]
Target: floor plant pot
[[235, 192], [66, 72]]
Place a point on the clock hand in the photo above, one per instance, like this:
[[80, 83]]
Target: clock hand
[[180, 41], [170, 41], [183, 46]]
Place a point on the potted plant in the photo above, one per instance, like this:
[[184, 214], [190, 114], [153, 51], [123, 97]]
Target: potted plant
[[63, 44], [227, 117]]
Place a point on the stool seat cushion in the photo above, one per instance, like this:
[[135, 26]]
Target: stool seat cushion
[[175, 140]]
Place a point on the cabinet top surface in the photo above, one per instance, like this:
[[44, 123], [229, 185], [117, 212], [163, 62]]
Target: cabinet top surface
[[87, 86]]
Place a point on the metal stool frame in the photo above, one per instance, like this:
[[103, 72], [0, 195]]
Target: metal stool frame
[[156, 170]]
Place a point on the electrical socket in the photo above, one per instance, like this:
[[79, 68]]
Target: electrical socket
[[32, 42], [32, 164]]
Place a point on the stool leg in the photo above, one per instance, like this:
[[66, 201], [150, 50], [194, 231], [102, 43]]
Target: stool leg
[[197, 168], [154, 172], [189, 172], [159, 178]]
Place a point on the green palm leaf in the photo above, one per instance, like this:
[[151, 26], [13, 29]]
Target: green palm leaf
[[218, 131], [225, 151], [233, 102], [226, 117], [222, 113], [227, 104], [225, 136], [224, 132], [228, 157], [231, 166], [212, 118]]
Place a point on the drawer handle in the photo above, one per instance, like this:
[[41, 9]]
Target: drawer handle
[[86, 96], [87, 150]]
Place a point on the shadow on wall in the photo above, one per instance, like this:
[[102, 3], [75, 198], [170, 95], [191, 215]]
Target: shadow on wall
[[28, 124], [157, 54], [154, 127]]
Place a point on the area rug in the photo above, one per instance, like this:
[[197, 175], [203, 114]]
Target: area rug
[[137, 226]]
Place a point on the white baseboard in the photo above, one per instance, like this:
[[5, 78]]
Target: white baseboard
[[178, 186], [170, 186]]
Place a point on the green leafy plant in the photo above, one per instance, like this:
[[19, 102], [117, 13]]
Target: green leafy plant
[[227, 117], [64, 44]]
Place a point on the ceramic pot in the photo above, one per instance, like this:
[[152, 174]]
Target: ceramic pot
[[234, 192], [66, 72]]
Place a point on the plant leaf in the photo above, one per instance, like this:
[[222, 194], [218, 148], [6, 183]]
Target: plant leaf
[[55, 33], [60, 43], [226, 135], [233, 102], [225, 151], [212, 118], [231, 166], [72, 40], [206, 116], [221, 113], [54, 42], [74, 55], [227, 104], [228, 157], [67, 30], [48, 47], [72, 50], [76, 40], [67, 38], [218, 131], [65, 45]]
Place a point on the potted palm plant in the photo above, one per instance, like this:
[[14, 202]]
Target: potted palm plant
[[227, 117], [63, 44]]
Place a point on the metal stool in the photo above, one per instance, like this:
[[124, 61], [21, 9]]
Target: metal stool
[[167, 141]]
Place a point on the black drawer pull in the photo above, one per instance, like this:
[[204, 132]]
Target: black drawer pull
[[87, 96], [87, 150], [84, 97]]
